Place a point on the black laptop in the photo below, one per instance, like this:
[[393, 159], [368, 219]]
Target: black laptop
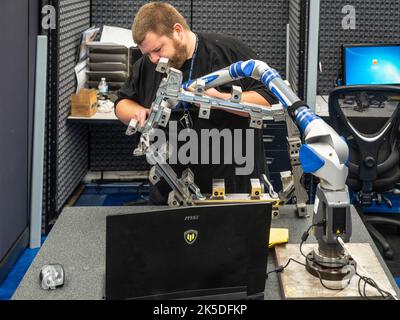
[[200, 252]]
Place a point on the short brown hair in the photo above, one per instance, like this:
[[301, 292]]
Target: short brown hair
[[156, 17]]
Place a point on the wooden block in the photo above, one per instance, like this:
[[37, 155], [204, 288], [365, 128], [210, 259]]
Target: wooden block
[[83, 110], [297, 283], [84, 104]]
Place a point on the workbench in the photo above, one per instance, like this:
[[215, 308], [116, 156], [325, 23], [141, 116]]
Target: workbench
[[77, 242]]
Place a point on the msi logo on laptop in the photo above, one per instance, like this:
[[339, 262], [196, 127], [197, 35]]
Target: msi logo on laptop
[[190, 236]]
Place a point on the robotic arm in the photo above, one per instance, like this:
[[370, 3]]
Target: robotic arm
[[325, 155]]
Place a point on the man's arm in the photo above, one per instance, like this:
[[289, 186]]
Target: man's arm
[[127, 109], [248, 96]]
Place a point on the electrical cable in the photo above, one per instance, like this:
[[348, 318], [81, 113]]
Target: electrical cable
[[282, 268], [303, 239], [372, 283], [366, 278]]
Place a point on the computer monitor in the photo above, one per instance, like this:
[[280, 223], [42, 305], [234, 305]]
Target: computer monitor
[[199, 252], [371, 64]]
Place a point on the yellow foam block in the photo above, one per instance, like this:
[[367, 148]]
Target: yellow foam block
[[278, 236]]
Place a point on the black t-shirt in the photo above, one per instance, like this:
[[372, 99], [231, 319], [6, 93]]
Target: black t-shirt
[[214, 53]]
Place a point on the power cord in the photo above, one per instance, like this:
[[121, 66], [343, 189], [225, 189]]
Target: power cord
[[368, 280], [305, 235], [372, 283], [303, 239], [282, 268]]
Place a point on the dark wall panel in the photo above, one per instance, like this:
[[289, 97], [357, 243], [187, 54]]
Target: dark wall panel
[[120, 13], [112, 150], [14, 123], [72, 139], [261, 24], [297, 45]]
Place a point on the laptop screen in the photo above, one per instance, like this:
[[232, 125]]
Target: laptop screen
[[371, 64], [188, 252]]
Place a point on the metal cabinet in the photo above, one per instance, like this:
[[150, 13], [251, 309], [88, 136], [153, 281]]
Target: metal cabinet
[[19, 27]]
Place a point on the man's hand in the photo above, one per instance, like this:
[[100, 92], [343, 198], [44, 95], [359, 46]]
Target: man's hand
[[126, 110], [214, 93], [141, 116]]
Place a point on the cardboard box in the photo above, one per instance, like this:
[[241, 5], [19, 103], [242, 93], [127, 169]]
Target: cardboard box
[[84, 104]]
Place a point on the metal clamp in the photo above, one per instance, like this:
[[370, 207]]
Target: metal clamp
[[256, 190], [199, 86], [294, 149], [205, 111], [218, 189], [132, 127], [163, 65], [278, 112], [236, 95], [256, 122]]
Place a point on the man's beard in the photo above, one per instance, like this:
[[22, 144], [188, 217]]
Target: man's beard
[[180, 56]]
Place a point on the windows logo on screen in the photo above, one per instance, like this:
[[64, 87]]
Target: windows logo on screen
[[375, 64]]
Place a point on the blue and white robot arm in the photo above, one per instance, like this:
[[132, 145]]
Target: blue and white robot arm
[[324, 153]]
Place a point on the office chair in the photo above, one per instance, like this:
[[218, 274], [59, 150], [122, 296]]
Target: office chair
[[374, 166]]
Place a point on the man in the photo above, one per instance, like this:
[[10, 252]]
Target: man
[[161, 31]]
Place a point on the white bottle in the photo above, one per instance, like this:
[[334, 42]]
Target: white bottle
[[103, 89]]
